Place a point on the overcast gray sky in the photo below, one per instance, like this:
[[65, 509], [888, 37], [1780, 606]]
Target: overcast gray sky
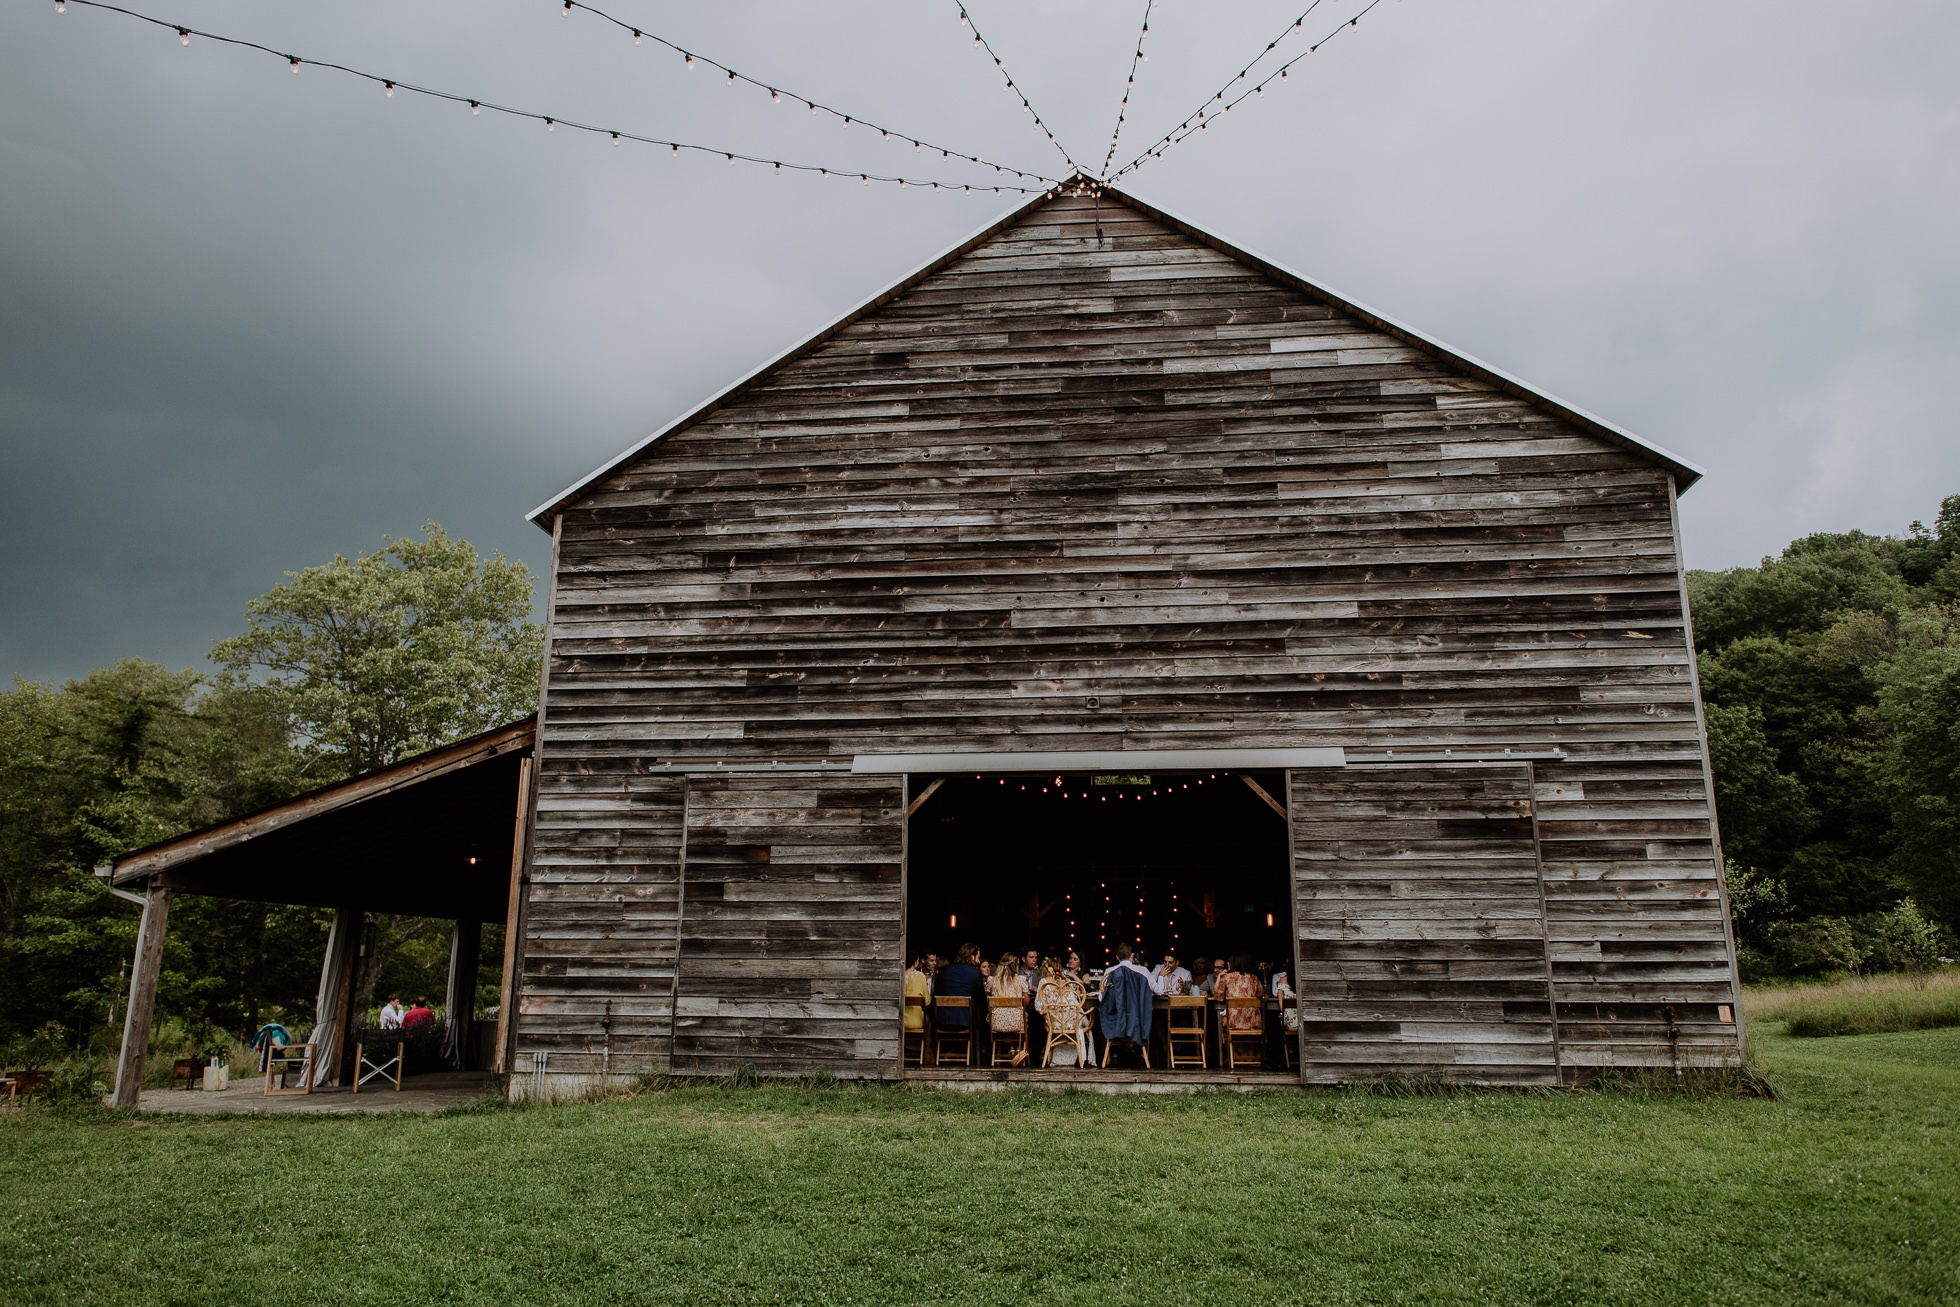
[[249, 319]]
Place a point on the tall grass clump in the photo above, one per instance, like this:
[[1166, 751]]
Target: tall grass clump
[[1861, 1005]]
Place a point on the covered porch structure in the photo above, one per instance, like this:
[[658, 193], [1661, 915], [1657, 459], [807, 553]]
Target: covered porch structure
[[436, 835]]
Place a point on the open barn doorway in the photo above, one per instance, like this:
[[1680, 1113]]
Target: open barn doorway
[[1189, 862]]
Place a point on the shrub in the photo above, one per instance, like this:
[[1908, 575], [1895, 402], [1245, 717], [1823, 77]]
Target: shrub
[[1904, 939], [1809, 948]]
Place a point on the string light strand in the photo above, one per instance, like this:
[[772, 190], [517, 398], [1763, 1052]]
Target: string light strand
[[815, 106], [1123, 109], [1014, 88], [552, 121], [1201, 120]]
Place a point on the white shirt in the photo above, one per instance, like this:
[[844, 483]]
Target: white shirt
[[1161, 984], [1130, 963], [391, 1016]]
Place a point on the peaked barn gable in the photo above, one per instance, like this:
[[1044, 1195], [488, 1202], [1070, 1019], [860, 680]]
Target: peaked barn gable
[[1684, 472]]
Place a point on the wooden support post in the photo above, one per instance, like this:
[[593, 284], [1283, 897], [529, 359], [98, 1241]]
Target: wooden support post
[[459, 999], [513, 926], [142, 997], [331, 1006]]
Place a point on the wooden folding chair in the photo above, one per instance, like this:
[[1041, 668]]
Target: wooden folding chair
[[379, 1067], [279, 1062], [1247, 1046], [916, 1055], [1004, 1044], [960, 1038], [1290, 1039], [1187, 1040]]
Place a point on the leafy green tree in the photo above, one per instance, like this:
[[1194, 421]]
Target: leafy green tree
[[1762, 809], [1919, 774], [396, 652], [343, 668], [127, 756], [1825, 709]]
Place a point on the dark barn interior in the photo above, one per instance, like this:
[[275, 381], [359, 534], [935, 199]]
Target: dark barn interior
[[1196, 861]]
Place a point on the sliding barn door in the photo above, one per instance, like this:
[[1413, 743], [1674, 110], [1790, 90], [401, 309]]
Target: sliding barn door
[[1421, 922], [791, 922]]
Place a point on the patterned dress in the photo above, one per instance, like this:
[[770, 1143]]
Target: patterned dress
[[1241, 984], [1008, 1020]]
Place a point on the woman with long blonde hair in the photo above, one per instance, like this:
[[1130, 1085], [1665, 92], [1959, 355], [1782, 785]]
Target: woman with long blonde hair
[[1005, 1018]]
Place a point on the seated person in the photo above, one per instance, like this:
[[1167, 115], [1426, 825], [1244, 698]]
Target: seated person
[[1126, 1008], [1006, 982], [1238, 980], [918, 984], [960, 979], [1170, 978], [1289, 1017], [1061, 1001]]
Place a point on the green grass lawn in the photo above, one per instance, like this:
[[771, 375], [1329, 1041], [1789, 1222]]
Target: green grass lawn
[[1847, 1190]]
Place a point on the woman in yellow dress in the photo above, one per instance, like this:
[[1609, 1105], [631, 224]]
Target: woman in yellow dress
[[918, 985]]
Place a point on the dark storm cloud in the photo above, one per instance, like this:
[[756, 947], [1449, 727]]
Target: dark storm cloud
[[249, 319]]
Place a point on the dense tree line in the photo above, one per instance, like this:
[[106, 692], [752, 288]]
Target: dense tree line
[[345, 667], [1831, 681]]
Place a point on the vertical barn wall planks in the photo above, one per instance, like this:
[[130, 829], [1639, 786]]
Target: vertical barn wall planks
[[1422, 936], [791, 924], [1062, 492]]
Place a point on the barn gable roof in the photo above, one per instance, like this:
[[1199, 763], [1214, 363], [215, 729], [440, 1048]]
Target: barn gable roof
[[1684, 472]]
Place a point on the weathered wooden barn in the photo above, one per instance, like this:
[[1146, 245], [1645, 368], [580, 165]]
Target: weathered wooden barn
[[1096, 497]]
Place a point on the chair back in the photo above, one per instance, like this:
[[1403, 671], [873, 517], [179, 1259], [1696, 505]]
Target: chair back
[[944, 1005], [914, 1000]]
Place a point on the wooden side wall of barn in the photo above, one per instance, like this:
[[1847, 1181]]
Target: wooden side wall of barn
[[1138, 473], [601, 920], [791, 925], [1421, 921]]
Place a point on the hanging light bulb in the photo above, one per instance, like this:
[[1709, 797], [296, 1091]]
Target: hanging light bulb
[[550, 126], [292, 59], [731, 77], [636, 36], [568, 8], [183, 36], [390, 91], [731, 161], [775, 97], [615, 140], [476, 110], [813, 107], [61, 6]]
